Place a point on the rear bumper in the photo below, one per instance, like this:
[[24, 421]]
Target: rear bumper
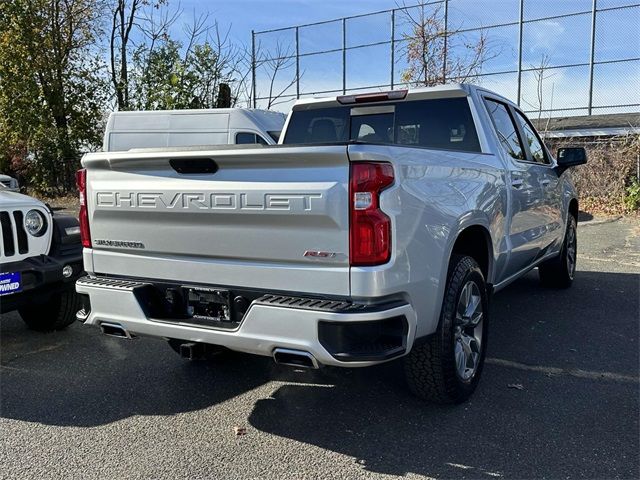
[[332, 337]]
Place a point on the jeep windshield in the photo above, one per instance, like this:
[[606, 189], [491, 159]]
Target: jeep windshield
[[444, 123]]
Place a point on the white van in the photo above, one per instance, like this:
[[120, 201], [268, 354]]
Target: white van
[[183, 128]]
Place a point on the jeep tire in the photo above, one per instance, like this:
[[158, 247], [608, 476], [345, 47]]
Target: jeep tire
[[55, 314]]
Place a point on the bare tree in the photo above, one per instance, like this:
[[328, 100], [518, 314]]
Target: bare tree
[[435, 54], [540, 74], [233, 63], [276, 64], [126, 15]]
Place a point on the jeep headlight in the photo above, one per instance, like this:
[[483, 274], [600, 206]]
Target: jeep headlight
[[35, 223]]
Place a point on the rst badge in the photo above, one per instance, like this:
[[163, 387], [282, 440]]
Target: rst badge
[[10, 283], [318, 254]]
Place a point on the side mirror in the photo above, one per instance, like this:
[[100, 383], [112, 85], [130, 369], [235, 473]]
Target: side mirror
[[571, 156]]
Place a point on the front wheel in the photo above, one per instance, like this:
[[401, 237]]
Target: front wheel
[[57, 313], [558, 272], [446, 368]]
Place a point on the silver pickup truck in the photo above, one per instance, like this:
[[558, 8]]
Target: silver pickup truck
[[378, 228]]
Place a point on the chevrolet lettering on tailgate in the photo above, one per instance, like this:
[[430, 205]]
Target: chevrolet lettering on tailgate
[[301, 202]]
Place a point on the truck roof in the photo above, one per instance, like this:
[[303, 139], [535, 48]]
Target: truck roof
[[449, 90]]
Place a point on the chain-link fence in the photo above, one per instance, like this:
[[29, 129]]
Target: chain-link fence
[[570, 57]]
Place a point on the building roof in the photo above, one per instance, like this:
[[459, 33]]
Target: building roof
[[609, 124]]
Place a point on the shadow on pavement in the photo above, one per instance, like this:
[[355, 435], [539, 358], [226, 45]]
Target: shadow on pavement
[[557, 426], [584, 216], [78, 377]]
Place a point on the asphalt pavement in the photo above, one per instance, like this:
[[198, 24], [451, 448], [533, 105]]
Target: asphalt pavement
[[559, 398]]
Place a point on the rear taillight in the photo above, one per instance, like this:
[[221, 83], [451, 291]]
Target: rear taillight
[[83, 217], [370, 228]]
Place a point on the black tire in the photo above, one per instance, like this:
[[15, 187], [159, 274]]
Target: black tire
[[56, 314], [430, 368], [559, 271], [208, 352]]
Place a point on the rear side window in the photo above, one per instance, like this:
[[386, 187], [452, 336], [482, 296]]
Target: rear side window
[[443, 123], [439, 123], [506, 129], [244, 138], [320, 125]]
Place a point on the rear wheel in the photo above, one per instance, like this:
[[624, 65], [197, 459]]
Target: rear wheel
[[446, 368], [55, 314], [560, 271]]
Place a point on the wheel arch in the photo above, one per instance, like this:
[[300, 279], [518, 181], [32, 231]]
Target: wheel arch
[[573, 208], [475, 240]]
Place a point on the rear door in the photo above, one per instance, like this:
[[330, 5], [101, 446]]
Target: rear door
[[267, 217], [527, 212]]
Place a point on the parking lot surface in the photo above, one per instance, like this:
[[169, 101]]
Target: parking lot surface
[[559, 398]]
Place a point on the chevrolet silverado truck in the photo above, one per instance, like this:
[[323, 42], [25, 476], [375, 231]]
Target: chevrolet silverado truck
[[40, 260], [378, 228]]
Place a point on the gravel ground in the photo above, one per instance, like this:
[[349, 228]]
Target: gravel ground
[[76, 404]]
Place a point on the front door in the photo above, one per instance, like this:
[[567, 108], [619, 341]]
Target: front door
[[540, 162]]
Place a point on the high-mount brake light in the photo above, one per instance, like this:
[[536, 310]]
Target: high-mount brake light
[[83, 216], [369, 227], [373, 97]]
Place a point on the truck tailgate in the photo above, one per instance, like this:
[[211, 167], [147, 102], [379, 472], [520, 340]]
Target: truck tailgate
[[243, 217]]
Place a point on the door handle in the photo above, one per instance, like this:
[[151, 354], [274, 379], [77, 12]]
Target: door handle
[[545, 183], [193, 165], [517, 183]]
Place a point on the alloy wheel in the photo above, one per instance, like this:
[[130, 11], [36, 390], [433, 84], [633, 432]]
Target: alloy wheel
[[468, 331]]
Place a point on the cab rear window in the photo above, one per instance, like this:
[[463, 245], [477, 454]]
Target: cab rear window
[[439, 123]]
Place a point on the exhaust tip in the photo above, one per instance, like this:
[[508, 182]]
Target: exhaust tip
[[294, 358], [114, 330]]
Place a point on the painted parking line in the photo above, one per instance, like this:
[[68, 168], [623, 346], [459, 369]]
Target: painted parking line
[[616, 377]]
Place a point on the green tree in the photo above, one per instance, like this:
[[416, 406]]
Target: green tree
[[151, 70], [52, 88], [168, 78]]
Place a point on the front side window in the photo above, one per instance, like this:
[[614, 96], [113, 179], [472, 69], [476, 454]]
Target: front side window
[[506, 129], [439, 123], [247, 138], [535, 144]]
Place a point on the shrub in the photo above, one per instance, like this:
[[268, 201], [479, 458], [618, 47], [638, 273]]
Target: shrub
[[606, 182]]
